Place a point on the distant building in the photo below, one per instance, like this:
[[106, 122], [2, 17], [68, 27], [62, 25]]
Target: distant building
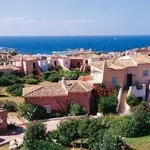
[[26, 63]]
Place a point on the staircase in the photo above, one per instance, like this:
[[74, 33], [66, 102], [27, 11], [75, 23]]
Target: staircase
[[124, 108]]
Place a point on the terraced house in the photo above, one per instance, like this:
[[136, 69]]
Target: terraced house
[[124, 71], [59, 96]]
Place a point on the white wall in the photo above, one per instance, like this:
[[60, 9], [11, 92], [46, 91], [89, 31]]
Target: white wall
[[138, 92], [96, 74]]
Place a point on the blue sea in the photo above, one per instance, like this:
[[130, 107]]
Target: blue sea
[[47, 44]]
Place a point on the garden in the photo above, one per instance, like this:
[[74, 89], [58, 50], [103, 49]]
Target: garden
[[105, 133]]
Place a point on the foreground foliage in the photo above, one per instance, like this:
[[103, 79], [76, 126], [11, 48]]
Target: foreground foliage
[[36, 138], [32, 112]]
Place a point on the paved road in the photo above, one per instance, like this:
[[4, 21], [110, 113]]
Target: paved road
[[18, 133]]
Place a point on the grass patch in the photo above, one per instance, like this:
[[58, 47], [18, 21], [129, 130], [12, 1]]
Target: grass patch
[[140, 143]]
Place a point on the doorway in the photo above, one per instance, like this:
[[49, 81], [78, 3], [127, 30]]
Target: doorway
[[129, 79]]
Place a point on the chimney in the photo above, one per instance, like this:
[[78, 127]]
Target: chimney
[[64, 83]]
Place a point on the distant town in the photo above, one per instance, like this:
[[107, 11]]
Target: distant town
[[82, 91]]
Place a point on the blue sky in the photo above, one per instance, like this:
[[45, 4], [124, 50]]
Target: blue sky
[[74, 17]]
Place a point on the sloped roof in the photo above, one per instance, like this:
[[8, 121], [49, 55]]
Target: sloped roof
[[48, 90], [56, 89], [78, 86], [25, 58]]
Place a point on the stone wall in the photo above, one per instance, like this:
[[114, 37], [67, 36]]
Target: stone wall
[[3, 120]]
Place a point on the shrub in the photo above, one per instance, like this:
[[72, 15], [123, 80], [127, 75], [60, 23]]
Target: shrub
[[108, 104], [31, 81], [66, 132], [43, 145], [6, 80], [8, 105], [32, 112], [76, 110], [71, 75], [34, 131], [52, 76], [136, 124], [15, 90], [132, 100]]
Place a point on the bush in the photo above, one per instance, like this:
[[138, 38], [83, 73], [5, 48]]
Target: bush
[[6, 80], [66, 132], [43, 145], [52, 76], [108, 104], [8, 105], [76, 110], [34, 131], [32, 112], [15, 90], [31, 81], [132, 100]]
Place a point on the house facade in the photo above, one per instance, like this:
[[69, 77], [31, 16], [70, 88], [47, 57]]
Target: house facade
[[27, 64], [59, 96], [124, 71]]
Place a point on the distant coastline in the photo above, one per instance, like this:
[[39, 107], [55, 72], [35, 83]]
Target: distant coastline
[[48, 44]]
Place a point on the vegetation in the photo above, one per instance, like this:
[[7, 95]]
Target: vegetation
[[30, 79], [93, 132], [32, 112], [140, 143], [55, 76], [76, 110], [6, 80], [35, 137], [15, 90], [133, 101], [8, 105], [108, 104], [52, 76]]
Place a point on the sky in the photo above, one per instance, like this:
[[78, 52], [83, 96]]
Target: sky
[[74, 17]]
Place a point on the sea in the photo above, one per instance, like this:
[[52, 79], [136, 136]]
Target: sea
[[49, 44]]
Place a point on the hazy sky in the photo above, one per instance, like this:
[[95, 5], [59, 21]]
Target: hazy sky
[[74, 17]]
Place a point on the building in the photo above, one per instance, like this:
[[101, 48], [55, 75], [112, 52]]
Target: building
[[59, 96], [9, 69], [125, 71], [26, 63]]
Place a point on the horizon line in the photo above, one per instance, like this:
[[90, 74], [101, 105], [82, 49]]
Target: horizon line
[[70, 35]]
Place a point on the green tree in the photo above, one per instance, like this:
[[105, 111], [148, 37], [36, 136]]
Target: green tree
[[34, 131]]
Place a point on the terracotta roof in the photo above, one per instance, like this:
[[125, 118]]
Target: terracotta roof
[[115, 64], [25, 58], [56, 89], [140, 59], [78, 86], [49, 90], [9, 67]]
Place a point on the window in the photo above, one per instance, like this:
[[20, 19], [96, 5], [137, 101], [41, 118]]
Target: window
[[48, 108], [145, 73], [114, 80]]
